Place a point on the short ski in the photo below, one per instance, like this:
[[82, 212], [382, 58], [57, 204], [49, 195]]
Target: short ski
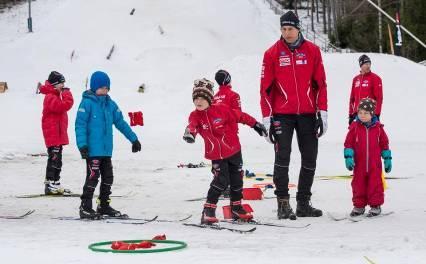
[[65, 194], [253, 222], [218, 227], [17, 216], [156, 220], [106, 219], [349, 177], [356, 218], [145, 221]]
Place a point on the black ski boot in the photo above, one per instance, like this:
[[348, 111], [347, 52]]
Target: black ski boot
[[239, 213], [305, 209], [208, 215], [86, 211], [284, 209], [105, 209]]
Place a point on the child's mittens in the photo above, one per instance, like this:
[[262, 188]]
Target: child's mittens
[[136, 146], [349, 158], [387, 157], [260, 129], [188, 137]]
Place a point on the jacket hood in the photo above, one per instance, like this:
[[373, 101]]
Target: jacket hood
[[92, 96], [47, 88]]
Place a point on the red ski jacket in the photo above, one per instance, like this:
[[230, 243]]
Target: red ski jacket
[[218, 125], [292, 82], [367, 144], [54, 121], [227, 96], [368, 85]]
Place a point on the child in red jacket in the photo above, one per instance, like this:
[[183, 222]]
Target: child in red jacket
[[365, 143], [57, 101], [218, 125], [228, 97]]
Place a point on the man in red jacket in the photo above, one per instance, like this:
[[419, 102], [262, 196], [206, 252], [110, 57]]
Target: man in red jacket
[[293, 95], [365, 85], [218, 125], [57, 101]]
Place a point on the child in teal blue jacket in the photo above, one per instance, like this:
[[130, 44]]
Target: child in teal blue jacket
[[93, 128]]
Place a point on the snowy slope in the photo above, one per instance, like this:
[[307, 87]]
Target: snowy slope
[[201, 36]]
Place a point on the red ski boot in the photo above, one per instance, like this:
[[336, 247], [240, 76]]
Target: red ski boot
[[239, 213], [208, 216]]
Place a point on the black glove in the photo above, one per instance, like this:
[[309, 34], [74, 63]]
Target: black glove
[[84, 151], [260, 129], [136, 146], [319, 126], [351, 119], [188, 137]]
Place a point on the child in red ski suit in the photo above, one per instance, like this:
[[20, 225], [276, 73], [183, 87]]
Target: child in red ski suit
[[58, 101], [365, 143], [218, 125], [228, 97]]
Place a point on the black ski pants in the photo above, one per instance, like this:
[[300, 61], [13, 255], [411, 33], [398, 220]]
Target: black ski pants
[[226, 172], [282, 128], [98, 167], [54, 163]]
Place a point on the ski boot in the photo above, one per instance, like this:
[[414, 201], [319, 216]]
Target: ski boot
[[284, 209], [105, 209], [53, 188], [305, 209], [60, 187], [239, 213], [357, 211], [374, 211], [86, 211], [208, 215]]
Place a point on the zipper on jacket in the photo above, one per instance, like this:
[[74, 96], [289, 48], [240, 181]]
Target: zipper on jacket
[[211, 131], [295, 81], [359, 92], [367, 149]]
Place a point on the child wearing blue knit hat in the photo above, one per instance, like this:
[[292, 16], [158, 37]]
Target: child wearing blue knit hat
[[93, 128]]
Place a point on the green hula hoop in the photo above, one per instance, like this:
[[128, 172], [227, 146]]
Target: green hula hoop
[[179, 245]]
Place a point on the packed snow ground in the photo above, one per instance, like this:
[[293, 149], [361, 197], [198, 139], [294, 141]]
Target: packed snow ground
[[200, 36]]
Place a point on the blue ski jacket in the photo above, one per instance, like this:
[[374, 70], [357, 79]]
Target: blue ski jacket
[[93, 124]]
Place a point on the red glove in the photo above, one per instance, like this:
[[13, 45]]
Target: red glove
[[116, 245], [160, 237], [145, 244], [136, 118]]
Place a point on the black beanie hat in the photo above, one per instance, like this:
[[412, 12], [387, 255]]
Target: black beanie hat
[[55, 78], [363, 59], [367, 104], [203, 88], [290, 19], [222, 77]]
